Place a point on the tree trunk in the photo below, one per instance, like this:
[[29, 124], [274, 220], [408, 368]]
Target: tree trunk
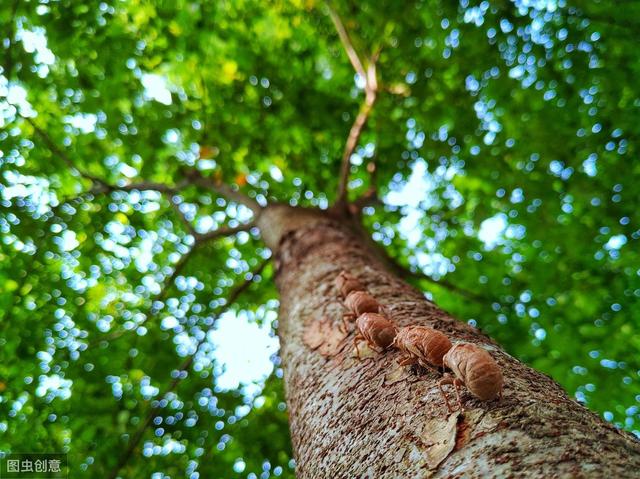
[[373, 418]]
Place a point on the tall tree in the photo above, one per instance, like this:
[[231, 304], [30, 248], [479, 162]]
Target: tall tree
[[373, 418], [157, 157]]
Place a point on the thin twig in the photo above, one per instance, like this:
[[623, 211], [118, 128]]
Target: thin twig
[[186, 364]]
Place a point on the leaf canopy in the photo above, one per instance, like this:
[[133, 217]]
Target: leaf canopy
[[504, 139]]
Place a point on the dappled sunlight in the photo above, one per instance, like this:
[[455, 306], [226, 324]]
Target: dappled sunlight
[[243, 349], [138, 143]]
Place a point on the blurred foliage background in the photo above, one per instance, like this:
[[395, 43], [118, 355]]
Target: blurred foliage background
[[505, 137]]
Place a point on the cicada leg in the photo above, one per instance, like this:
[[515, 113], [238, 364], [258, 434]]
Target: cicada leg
[[447, 379], [373, 347], [356, 339], [456, 385], [406, 360]]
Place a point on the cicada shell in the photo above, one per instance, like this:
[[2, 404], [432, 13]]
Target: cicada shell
[[376, 330], [476, 369], [422, 345], [360, 302], [346, 283]]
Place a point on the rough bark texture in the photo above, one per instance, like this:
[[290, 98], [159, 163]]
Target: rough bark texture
[[372, 418]]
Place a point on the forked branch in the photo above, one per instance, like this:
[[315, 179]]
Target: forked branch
[[193, 176], [369, 76]]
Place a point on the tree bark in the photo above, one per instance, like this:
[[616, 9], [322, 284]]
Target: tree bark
[[373, 418]]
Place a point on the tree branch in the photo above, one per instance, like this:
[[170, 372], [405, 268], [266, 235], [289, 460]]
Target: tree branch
[[419, 276], [224, 190], [183, 219], [371, 89], [177, 269], [186, 364], [200, 238], [350, 146], [346, 42], [151, 186], [192, 177], [62, 154], [100, 185], [224, 231], [368, 198]]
